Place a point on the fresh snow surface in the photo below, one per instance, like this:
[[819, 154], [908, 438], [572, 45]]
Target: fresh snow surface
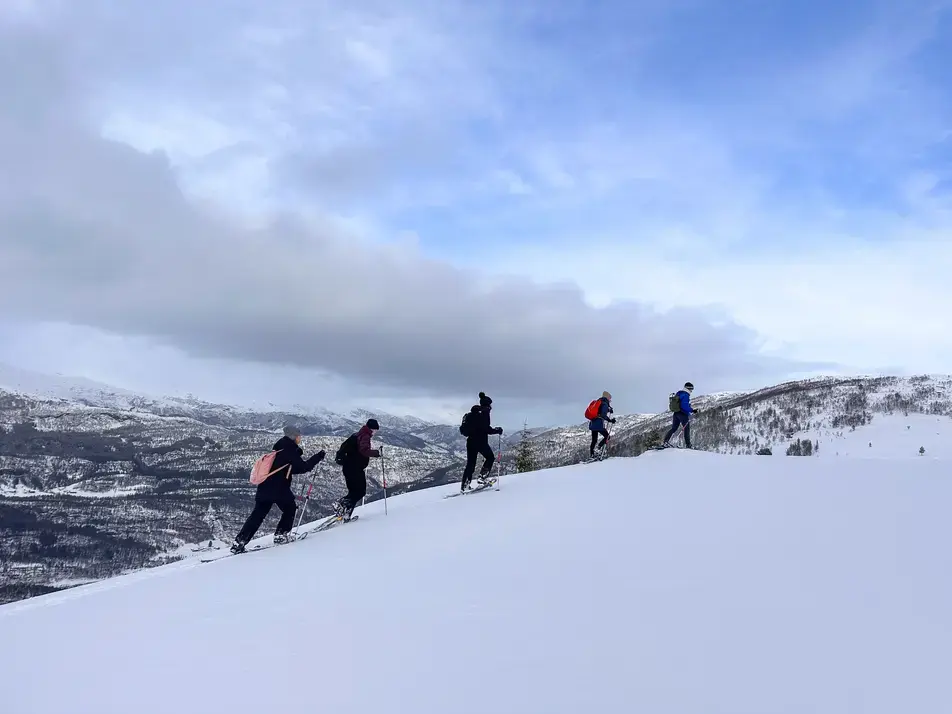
[[677, 582], [887, 436]]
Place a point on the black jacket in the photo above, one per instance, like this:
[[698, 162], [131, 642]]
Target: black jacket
[[288, 459], [481, 427]]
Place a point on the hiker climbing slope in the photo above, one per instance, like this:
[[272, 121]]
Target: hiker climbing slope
[[276, 489], [681, 410], [477, 427], [354, 456], [598, 412]]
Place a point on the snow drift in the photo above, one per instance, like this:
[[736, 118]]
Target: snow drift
[[676, 582]]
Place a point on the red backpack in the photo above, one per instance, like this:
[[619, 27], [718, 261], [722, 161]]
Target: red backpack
[[592, 411]]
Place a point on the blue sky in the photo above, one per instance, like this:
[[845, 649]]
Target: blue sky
[[481, 189]]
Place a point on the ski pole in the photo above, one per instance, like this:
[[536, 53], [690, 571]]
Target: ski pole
[[383, 470], [498, 461], [304, 509]]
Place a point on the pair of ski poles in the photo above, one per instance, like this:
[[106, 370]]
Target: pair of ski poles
[[310, 488]]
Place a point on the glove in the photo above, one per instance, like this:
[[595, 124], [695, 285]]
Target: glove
[[499, 430], [612, 420], [320, 455], [697, 411]]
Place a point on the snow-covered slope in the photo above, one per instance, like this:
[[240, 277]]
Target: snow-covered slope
[[677, 582]]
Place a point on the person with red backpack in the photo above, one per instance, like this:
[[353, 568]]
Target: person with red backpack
[[275, 490], [598, 413]]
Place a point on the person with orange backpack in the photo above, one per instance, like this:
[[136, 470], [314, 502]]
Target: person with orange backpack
[[275, 490], [597, 413]]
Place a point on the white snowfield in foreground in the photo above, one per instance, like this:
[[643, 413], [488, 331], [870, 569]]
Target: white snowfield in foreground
[[673, 583]]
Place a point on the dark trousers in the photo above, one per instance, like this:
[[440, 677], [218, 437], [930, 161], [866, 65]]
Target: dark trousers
[[473, 450], [262, 508], [595, 438], [677, 420], [356, 481]]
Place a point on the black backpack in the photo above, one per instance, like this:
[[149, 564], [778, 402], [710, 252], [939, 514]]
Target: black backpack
[[347, 450], [464, 426]]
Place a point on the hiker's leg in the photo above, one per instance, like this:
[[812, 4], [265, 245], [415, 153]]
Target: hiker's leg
[[472, 452], [675, 423], [359, 488], [488, 458], [591, 449], [288, 509], [254, 521], [352, 477]]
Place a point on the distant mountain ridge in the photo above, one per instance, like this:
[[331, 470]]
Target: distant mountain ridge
[[902, 414], [95, 481]]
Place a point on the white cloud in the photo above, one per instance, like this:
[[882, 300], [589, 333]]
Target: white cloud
[[439, 120]]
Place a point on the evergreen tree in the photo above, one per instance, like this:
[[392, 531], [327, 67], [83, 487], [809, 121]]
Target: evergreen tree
[[525, 453]]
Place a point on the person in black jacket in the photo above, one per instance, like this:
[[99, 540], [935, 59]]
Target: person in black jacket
[[355, 469], [276, 490], [477, 442]]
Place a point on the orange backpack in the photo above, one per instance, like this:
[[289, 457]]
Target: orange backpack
[[592, 411]]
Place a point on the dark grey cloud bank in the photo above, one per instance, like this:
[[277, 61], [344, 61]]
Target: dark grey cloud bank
[[95, 233]]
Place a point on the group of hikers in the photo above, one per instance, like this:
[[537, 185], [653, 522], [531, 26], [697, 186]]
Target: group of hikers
[[357, 450], [600, 410]]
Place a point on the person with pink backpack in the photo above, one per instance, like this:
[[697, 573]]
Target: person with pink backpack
[[272, 474]]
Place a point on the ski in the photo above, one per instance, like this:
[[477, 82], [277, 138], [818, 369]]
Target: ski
[[477, 489], [327, 524], [254, 549], [323, 526]]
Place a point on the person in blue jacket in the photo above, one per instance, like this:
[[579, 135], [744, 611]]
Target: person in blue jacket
[[683, 416], [597, 425]]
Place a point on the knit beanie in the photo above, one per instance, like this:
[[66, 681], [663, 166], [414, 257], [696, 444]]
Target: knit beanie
[[292, 432], [484, 401], [372, 424], [607, 395]]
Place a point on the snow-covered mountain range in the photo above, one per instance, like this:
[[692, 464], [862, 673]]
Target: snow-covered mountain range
[[95, 481]]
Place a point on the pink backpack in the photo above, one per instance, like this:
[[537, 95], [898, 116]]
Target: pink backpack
[[262, 468]]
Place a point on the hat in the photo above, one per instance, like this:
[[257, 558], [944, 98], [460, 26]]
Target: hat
[[292, 432], [688, 386], [484, 401], [607, 395], [372, 424]]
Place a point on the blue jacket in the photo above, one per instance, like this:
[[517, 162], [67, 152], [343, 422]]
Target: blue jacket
[[685, 399], [604, 409]]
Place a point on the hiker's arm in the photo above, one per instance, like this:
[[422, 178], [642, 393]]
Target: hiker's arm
[[363, 446], [300, 466], [686, 402]]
